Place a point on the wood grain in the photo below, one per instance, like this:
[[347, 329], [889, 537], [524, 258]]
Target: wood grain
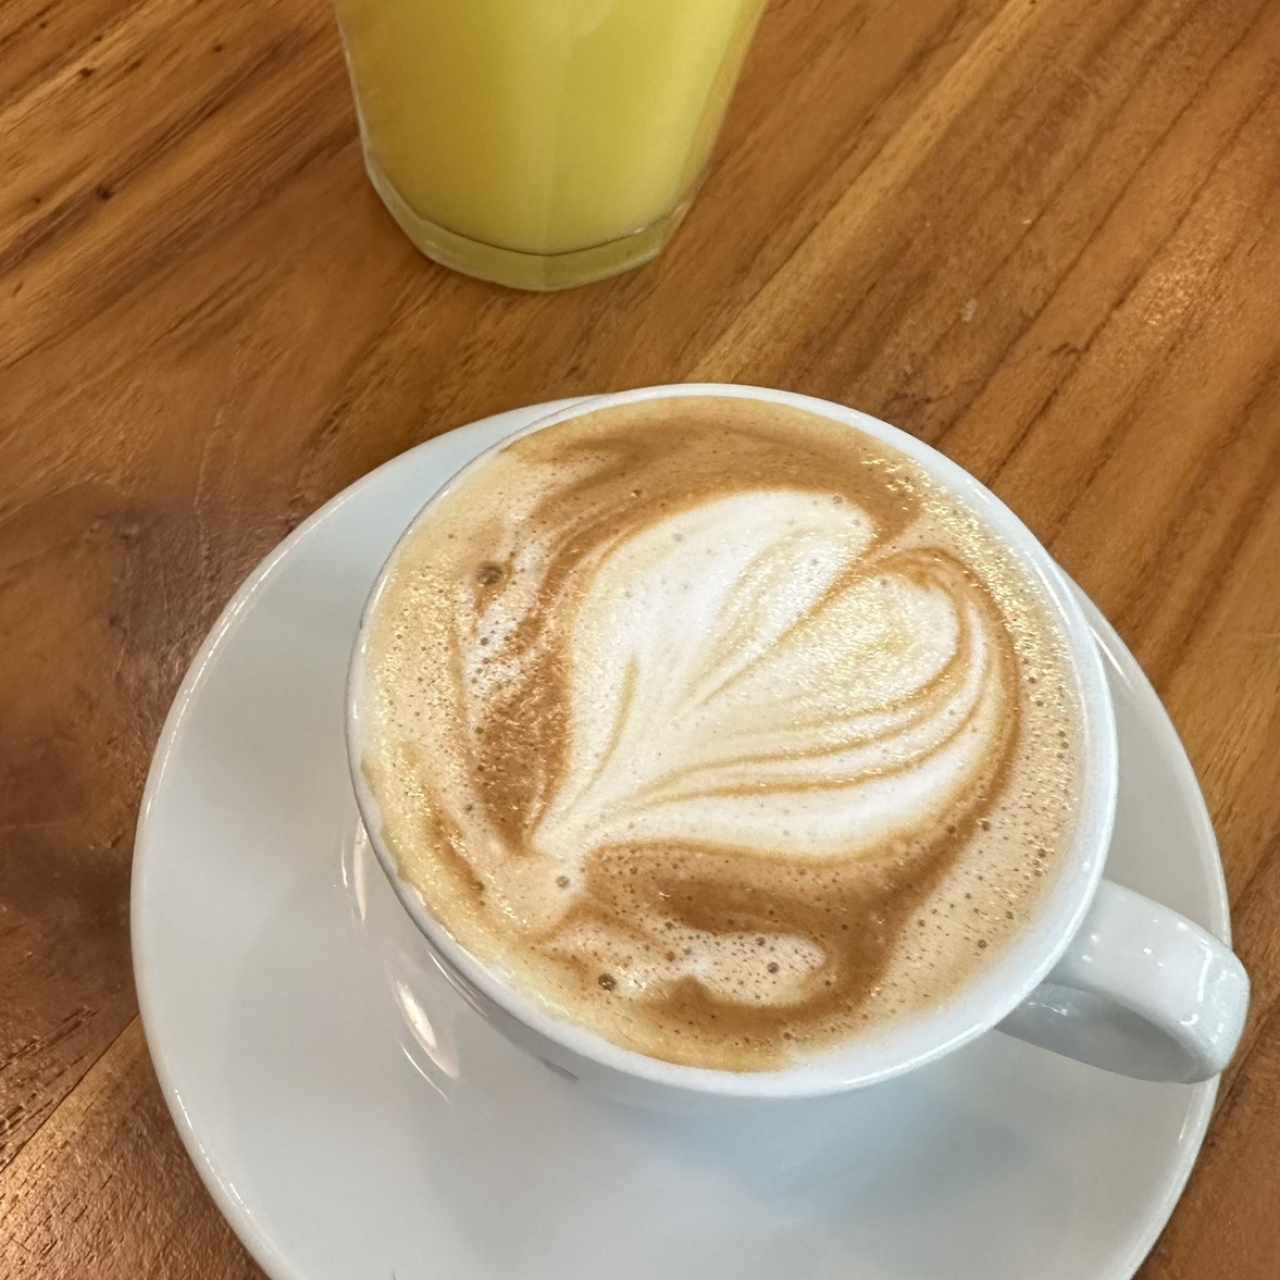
[[1042, 234], [106, 1189]]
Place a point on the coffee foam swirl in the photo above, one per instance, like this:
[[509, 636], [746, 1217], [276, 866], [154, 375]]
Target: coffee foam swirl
[[688, 711], [746, 675]]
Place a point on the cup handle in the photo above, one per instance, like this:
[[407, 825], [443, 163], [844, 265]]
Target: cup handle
[[1141, 991]]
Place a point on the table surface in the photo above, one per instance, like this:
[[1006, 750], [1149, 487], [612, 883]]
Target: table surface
[[1041, 234]]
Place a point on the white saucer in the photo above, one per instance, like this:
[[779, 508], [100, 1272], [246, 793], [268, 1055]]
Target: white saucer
[[354, 1118]]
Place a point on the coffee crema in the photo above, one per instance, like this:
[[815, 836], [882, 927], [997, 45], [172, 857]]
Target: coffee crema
[[720, 728]]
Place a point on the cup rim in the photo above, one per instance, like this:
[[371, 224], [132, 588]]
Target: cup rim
[[904, 1044]]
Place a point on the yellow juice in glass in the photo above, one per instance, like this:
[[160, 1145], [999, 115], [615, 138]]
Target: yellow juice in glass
[[542, 143]]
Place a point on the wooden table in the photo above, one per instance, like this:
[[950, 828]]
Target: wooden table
[[1042, 234]]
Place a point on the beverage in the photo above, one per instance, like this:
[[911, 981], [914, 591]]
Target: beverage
[[542, 143], [720, 728]]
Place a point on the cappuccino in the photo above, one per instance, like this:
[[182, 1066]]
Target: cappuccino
[[720, 728]]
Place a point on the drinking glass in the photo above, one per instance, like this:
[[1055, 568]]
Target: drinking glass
[[542, 143]]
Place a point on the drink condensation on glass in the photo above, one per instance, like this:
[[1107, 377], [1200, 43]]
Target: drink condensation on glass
[[542, 143]]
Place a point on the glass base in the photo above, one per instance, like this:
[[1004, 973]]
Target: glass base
[[540, 273]]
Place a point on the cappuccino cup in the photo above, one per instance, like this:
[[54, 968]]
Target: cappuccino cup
[[727, 743]]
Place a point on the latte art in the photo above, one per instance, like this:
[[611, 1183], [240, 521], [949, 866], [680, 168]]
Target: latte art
[[802, 688], [719, 727]]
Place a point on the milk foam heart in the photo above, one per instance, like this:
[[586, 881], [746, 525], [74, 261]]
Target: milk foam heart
[[746, 669], [720, 728]]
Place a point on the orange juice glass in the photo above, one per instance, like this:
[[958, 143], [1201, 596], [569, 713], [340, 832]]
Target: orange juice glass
[[542, 143]]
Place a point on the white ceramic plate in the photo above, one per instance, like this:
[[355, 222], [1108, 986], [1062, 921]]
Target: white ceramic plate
[[352, 1117]]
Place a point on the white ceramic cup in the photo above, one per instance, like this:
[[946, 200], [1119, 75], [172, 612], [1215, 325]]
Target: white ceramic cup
[[1100, 974]]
